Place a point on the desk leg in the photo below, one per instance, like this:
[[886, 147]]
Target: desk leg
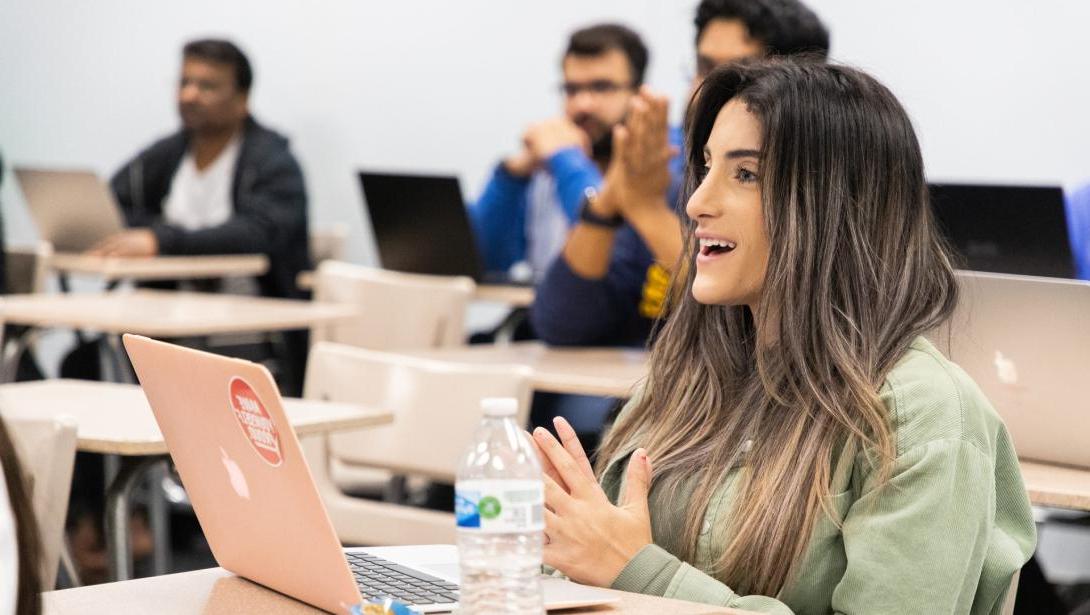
[[12, 351], [118, 501], [505, 332], [159, 520]]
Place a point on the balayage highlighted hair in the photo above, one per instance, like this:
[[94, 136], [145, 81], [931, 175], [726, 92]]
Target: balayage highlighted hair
[[856, 271]]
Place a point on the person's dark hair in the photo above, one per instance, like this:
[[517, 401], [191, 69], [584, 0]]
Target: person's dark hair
[[856, 271], [222, 52], [598, 39], [785, 27], [29, 587]]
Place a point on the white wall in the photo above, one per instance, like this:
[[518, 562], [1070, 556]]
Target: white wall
[[998, 89]]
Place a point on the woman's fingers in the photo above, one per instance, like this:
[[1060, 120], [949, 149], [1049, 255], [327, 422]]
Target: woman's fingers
[[572, 444], [578, 483], [556, 498], [547, 466]]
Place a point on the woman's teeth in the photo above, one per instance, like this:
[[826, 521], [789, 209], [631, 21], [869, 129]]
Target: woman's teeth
[[713, 246]]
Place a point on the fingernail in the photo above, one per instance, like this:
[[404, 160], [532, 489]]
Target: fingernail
[[540, 432], [560, 423]]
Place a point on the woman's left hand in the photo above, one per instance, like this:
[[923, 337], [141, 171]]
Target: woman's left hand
[[588, 538]]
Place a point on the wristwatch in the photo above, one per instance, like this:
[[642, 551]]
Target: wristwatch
[[587, 215]]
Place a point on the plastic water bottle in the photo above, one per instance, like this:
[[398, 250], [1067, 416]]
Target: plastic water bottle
[[499, 504]]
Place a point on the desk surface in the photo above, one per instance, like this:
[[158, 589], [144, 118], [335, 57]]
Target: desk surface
[[515, 296], [160, 267], [168, 313], [1057, 486], [115, 418], [610, 372], [215, 591]]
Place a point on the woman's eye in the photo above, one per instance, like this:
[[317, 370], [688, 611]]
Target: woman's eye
[[746, 176], [702, 172]]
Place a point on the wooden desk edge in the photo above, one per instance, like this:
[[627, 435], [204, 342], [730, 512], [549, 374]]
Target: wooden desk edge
[[158, 447], [1056, 486], [107, 269], [199, 584]]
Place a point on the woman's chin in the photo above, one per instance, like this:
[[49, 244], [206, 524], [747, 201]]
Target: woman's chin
[[712, 294]]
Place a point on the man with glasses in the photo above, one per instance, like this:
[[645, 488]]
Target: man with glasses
[[609, 283], [535, 195]]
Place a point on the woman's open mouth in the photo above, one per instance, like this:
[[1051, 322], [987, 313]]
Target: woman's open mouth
[[715, 247]]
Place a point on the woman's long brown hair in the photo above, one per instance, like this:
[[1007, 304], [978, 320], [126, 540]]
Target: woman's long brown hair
[[26, 529], [856, 272]]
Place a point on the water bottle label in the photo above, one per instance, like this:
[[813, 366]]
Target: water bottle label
[[500, 505]]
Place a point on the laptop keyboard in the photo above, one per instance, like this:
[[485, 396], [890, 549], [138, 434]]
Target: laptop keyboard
[[381, 578]]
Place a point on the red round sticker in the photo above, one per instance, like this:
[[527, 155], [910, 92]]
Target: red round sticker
[[255, 421]]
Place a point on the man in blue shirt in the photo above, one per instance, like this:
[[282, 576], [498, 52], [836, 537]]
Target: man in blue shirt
[[534, 196], [608, 285]]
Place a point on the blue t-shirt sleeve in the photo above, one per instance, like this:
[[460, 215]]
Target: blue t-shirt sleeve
[[573, 172], [677, 170], [499, 220]]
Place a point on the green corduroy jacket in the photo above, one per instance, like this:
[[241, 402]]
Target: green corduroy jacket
[[944, 536]]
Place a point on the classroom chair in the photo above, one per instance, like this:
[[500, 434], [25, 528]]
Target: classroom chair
[[436, 407], [27, 267], [50, 477], [398, 311], [328, 244]]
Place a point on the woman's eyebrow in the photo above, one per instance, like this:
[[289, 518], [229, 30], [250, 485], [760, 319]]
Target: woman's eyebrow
[[744, 153]]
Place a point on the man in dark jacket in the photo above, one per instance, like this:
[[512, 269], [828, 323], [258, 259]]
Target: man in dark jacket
[[223, 184]]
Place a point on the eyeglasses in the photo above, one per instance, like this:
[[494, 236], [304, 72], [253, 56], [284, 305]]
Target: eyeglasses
[[600, 87]]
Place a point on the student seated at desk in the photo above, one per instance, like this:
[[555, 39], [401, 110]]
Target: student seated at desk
[[533, 197], [20, 548], [608, 285], [798, 446], [223, 184]]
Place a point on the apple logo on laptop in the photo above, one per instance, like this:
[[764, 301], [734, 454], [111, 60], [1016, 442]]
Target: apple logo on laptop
[[238, 480], [1005, 369]]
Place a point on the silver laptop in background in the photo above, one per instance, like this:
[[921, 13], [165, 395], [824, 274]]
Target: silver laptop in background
[[73, 209], [1026, 342]]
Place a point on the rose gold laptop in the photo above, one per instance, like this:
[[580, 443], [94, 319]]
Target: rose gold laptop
[[242, 466], [1026, 342]]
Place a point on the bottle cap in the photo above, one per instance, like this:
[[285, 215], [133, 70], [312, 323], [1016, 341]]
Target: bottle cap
[[500, 406]]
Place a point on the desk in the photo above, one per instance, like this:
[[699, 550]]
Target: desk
[[116, 419], [158, 313], [159, 268], [214, 591], [1057, 486], [609, 372], [515, 296]]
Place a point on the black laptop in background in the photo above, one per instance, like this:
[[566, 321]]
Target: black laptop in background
[[1006, 229], [421, 225]]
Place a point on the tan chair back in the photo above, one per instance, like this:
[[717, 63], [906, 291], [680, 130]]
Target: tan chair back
[[47, 450], [328, 243], [397, 310], [436, 407], [27, 267]]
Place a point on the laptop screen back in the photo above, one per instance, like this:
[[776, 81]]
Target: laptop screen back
[[1006, 229], [73, 210], [420, 224]]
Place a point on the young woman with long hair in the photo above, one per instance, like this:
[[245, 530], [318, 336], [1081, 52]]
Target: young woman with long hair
[[813, 453], [20, 580]]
